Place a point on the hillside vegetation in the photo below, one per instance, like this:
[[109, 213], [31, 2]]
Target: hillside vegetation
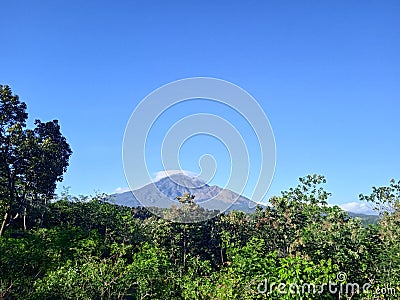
[[86, 248]]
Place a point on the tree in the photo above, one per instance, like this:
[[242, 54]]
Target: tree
[[31, 160], [187, 198], [386, 201]]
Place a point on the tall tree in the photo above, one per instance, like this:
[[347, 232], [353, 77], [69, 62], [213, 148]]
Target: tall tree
[[31, 160]]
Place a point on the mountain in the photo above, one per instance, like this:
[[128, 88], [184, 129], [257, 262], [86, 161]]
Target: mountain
[[365, 219], [163, 193]]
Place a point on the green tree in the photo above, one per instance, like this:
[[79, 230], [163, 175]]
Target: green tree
[[283, 222], [31, 160], [386, 201]]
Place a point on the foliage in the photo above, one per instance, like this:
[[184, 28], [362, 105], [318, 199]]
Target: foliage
[[89, 248], [31, 162]]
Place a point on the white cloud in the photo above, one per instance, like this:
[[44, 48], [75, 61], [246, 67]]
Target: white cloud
[[358, 207], [162, 174], [119, 190], [157, 176]]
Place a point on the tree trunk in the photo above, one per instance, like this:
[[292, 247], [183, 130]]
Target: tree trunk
[[3, 225], [43, 212], [25, 218]]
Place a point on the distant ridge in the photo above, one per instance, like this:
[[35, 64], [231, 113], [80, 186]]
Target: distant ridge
[[163, 192], [365, 219]]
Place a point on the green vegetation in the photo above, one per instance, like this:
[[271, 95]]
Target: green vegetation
[[32, 161], [88, 248]]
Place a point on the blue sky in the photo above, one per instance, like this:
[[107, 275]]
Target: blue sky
[[326, 73]]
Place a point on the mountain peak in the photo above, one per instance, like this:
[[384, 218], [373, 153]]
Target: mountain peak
[[183, 180], [163, 193]]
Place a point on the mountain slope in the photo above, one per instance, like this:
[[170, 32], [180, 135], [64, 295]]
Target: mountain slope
[[365, 219], [163, 194]]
